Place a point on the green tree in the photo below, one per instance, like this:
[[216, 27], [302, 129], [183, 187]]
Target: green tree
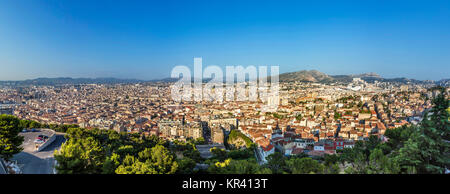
[[34, 124], [241, 154], [24, 124], [398, 136], [304, 166], [243, 167], [331, 159], [111, 163], [358, 165], [163, 160], [132, 165], [381, 164], [186, 166], [276, 162], [264, 170], [10, 140], [235, 136], [80, 156], [193, 154], [219, 154], [200, 141], [332, 169], [155, 160], [337, 115], [427, 150]]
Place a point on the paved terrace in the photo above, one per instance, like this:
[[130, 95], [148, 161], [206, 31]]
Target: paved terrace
[[33, 162]]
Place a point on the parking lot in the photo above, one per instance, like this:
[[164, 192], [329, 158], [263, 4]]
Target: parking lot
[[29, 138], [33, 162]]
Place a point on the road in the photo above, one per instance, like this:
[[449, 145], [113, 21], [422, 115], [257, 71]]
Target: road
[[2, 169], [33, 162]]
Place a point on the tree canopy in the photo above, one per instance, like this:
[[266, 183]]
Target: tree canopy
[[10, 140], [104, 151]]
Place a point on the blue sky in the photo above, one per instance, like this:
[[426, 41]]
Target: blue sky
[[145, 39]]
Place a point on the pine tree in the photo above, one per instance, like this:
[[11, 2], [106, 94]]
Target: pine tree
[[427, 149], [10, 140]]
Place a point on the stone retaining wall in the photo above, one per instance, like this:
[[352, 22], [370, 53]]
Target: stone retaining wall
[[49, 140]]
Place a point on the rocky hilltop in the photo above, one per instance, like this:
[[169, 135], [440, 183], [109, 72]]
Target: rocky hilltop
[[319, 77]]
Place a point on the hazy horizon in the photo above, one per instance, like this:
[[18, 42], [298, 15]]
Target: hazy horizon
[[168, 77], [145, 40]]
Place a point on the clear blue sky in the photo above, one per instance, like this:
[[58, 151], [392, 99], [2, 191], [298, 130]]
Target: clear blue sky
[[144, 40]]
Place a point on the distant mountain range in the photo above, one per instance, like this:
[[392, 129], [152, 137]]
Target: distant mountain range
[[305, 76], [319, 77], [68, 80], [301, 76]]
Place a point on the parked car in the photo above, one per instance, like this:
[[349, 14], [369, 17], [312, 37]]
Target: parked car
[[24, 130], [34, 130], [38, 141]]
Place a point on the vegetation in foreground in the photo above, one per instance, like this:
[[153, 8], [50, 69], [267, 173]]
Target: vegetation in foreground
[[415, 149]]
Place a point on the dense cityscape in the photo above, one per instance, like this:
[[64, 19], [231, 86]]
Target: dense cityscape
[[313, 120], [224, 96]]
